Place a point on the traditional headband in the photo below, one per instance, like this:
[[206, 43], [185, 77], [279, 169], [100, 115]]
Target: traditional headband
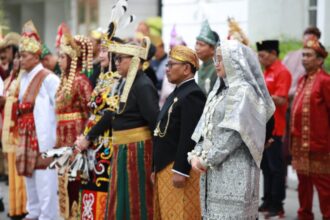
[[314, 44]]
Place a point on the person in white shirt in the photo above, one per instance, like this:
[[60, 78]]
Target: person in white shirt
[[37, 118]]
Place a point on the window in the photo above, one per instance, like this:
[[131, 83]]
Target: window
[[312, 12], [87, 15]]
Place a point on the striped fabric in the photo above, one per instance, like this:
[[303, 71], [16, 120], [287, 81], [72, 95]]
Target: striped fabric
[[131, 193]]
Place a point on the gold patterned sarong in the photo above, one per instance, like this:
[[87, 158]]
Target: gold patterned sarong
[[17, 192], [172, 203]]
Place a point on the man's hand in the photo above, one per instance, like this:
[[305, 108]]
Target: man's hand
[[278, 100], [2, 101], [197, 166], [178, 180], [269, 143]]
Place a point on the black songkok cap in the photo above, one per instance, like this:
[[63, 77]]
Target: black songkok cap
[[268, 45]]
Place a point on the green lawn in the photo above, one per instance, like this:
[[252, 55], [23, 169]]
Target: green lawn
[[290, 45]]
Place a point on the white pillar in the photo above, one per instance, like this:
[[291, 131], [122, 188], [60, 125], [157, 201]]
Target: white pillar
[[55, 14], [323, 18], [74, 16]]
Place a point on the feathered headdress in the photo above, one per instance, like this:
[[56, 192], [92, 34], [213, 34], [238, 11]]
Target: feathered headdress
[[235, 32], [119, 20]]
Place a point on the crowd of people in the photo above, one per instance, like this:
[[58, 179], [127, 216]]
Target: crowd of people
[[111, 128]]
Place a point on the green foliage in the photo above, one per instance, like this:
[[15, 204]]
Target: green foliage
[[291, 45], [327, 65]]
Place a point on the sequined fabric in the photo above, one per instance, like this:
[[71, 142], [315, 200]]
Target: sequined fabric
[[232, 129], [230, 190], [249, 105]]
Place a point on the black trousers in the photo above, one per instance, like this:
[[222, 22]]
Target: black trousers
[[273, 169]]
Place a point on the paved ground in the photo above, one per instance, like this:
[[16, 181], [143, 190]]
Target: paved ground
[[291, 202]]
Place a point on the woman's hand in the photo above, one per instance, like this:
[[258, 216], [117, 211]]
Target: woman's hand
[[197, 166]]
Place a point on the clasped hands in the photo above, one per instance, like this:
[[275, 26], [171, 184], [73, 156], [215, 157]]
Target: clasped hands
[[81, 144]]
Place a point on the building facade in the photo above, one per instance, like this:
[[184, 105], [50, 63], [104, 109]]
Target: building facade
[[81, 15], [260, 19]]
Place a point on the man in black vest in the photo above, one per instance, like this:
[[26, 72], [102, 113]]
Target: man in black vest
[[176, 185]]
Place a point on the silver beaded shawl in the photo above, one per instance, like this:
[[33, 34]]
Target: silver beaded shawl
[[248, 103]]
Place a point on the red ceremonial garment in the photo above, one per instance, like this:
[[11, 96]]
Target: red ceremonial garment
[[28, 149], [310, 124]]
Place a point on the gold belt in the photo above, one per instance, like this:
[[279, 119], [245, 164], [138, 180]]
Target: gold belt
[[69, 116], [131, 135]]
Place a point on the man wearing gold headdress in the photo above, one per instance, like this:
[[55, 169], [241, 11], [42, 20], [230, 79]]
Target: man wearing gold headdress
[[176, 185], [11, 48], [130, 195], [17, 192], [36, 127]]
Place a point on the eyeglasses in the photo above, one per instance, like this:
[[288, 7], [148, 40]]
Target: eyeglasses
[[120, 58], [171, 64]]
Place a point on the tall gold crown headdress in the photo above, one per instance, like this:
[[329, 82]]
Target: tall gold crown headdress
[[30, 40]]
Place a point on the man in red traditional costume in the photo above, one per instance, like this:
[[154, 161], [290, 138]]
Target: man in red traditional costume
[[36, 127], [9, 138], [293, 61], [310, 131]]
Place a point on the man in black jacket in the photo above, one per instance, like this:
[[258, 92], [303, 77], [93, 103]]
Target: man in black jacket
[[176, 185]]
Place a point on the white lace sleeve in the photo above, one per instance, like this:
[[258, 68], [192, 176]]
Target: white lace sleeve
[[227, 142], [196, 152]]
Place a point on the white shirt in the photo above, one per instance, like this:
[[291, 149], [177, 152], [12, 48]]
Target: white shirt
[[44, 109]]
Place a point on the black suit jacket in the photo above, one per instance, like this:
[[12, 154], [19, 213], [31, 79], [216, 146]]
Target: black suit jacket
[[141, 108], [185, 115]]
